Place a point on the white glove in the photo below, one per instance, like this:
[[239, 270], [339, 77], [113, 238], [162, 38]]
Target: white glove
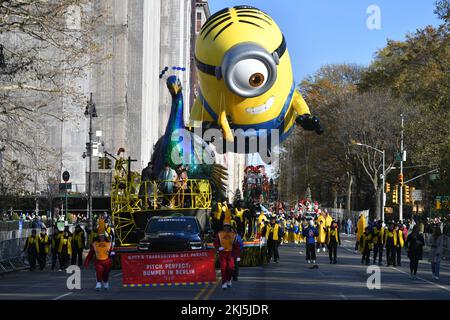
[[221, 248], [238, 259], [112, 253]]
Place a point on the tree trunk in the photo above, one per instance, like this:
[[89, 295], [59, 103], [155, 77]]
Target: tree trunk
[[335, 196], [348, 205]]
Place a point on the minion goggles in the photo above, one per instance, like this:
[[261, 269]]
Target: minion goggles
[[242, 51]]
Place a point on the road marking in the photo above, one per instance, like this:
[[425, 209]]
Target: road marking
[[425, 280], [197, 297], [343, 297], [62, 296], [117, 275], [213, 288]]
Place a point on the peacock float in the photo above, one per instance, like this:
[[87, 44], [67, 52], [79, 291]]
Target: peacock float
[[133, 201]]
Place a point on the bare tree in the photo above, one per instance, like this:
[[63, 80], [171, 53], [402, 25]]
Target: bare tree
[[372, 119], [46, 50]]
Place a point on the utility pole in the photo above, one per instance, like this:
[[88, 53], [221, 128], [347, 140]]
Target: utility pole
[[400, 206], [92, 113]]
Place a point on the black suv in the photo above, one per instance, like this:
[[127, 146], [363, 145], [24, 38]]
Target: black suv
[[176, 233]]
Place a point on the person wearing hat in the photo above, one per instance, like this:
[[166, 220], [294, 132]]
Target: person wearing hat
[[310, 233], [227, 244], [44, 247], [32, 248], [78, 243], [273, 234], [100, 252]]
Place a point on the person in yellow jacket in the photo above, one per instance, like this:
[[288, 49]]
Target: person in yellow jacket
[[286, 225], [260, 223], [361, 226], [328, 219], [303, 226], [32, 248], [100, 252], [297, 231], [226, 242], [400, 243], [333, 240], [78, 244], [390, 243], [273, 234], [321, 227], [44, 248], [239, 220], [65, 249], [56, 236], [378, 242], [365, 245]]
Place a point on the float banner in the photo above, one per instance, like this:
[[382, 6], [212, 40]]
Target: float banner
[[168, 268]]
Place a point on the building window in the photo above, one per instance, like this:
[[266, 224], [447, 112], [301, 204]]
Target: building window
[[199, 22]]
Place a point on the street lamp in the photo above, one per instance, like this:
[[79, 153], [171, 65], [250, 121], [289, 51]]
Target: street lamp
[[383, 175], [92, 113]]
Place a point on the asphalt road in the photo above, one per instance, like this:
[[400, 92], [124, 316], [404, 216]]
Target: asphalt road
[[291, 279]]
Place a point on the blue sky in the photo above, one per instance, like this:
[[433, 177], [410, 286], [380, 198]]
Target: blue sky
[[321, 32]]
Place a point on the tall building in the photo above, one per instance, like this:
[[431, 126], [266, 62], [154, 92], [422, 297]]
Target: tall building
[[133, 104]]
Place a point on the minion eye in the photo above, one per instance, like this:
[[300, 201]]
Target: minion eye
[[249, 74]]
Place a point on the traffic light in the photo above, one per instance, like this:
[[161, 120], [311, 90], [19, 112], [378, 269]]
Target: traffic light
[[101, 163], [400, 179], [108, 163], [388, 187], [407, 194], [395, 194], [438, 204]]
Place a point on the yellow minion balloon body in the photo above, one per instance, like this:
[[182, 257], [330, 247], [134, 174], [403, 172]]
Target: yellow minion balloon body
[[245, 74]]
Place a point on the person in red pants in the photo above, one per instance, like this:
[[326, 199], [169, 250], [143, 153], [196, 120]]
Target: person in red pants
[[227, 245], [101, 248]]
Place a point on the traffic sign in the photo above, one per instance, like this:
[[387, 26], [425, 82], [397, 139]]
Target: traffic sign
[[66, 176], [417, 195]]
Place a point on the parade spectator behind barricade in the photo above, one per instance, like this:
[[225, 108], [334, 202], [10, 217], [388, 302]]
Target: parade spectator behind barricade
[[100, 252], [237, 255], [436, 251], [333, 240], [32, 249], [44, 248], [349, 226], [414, 245], [78, 244], [310, 233], [226, 243]]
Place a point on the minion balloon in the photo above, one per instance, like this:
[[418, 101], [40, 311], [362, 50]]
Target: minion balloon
[[246, 79]]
